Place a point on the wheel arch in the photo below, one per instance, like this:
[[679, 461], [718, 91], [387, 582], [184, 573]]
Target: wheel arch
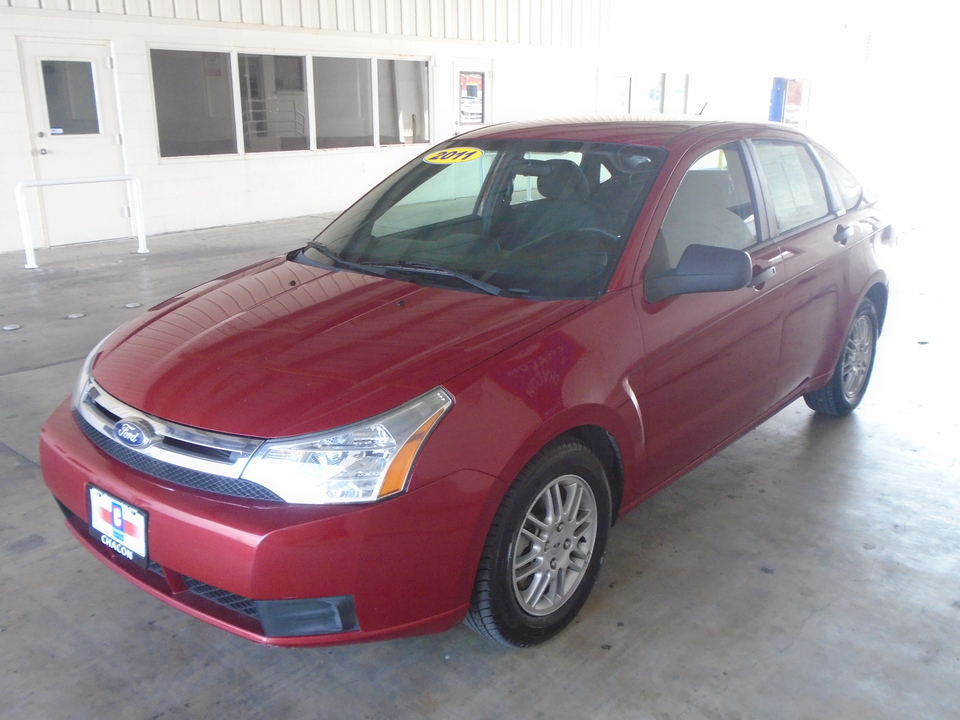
[[879, 295], [602, 444], [600, 439]]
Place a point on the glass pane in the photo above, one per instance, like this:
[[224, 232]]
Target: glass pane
[[623, 87], [194, 99], [794, 181], [846, 184], [441, 220], [403, 102], [449, 194], [526, 186], [471, 98], [71, 100], [343, 102], [273, 103], [713, 206], [647, 96]]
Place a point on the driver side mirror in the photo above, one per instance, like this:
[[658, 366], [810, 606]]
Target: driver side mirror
[[702, 268]]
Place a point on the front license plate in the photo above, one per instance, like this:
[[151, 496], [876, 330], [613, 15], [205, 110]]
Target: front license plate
[[118, 525]]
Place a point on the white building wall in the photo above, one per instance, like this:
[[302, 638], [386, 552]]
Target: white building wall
[[542, 55]]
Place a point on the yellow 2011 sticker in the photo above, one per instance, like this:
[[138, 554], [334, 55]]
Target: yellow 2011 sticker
[[454, 155]]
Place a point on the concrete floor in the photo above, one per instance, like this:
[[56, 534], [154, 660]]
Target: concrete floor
[[810, 571]]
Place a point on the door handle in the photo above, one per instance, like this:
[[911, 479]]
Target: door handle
[[761, 277], [843, 234], [43, 151]]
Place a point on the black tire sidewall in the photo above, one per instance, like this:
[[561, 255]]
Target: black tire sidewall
[[867, 309], [569, 458]]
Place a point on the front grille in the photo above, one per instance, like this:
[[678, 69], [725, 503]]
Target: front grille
[[237, 603], [174, 473], [229, 600]]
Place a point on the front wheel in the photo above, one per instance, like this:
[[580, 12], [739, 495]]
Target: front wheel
[[848, 385], [544, 548]]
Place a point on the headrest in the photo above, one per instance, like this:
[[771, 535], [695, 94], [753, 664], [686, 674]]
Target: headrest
[[562, 179], [708, 187]]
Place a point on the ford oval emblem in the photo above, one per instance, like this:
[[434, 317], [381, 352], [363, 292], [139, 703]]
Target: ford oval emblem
[[133, 433]]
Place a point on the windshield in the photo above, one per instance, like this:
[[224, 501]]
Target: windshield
[[541, 219]]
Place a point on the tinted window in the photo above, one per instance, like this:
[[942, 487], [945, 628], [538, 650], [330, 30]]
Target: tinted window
[[273, 103], [713, 206], [528, 218], [343, 102], [71, 100], [795, 185], [194, 97], [402, 91]]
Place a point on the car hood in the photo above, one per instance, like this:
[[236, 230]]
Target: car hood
[[285, 349]]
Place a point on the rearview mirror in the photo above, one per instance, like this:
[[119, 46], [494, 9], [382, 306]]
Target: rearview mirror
[[702, 268]]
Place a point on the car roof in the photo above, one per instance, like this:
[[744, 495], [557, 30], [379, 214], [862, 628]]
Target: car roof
[[654, 131]]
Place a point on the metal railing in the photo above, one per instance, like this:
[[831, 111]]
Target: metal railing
[[136, 210]]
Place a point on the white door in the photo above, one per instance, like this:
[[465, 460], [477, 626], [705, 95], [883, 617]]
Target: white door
[[75, 132]]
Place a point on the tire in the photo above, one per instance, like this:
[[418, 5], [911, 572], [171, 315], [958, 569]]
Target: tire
[[544, 548], [851, 376]]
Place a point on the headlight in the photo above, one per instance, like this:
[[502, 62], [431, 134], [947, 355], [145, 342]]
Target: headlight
[[357, 463], [85, 371]]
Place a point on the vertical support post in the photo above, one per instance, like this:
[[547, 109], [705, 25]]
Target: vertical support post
[[136, 209]]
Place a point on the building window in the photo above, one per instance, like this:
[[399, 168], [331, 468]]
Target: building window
[[273, 103], [194, 101], [71, 100], [402, 92], [343, 102], [197, 110], [471, 98]]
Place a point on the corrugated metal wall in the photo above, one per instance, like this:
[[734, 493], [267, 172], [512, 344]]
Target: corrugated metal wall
[[574, 23]]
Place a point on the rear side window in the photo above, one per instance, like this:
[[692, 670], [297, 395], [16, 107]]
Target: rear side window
[[848, 188], [794, 181]]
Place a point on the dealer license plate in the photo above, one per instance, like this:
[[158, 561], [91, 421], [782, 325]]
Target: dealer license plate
[[118, 525]]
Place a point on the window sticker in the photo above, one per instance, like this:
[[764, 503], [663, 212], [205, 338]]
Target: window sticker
[[453, 155]]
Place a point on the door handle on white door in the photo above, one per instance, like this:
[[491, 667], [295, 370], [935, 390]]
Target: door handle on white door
[[44, 151]]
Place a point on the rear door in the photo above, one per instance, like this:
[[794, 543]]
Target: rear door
[[814, 238]]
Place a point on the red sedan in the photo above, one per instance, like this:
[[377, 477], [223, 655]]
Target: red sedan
[[437, 409]]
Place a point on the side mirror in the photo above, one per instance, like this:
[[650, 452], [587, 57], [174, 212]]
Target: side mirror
[[702, 268]]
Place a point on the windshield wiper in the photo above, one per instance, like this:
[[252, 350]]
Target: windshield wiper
[[426, 270], [420, 269], [371, 269]]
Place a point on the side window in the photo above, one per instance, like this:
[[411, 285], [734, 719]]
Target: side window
[[850, 191], [796, 187], [713, 206]]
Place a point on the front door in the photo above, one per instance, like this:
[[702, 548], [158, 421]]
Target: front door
[[75, 132], [710, 365]]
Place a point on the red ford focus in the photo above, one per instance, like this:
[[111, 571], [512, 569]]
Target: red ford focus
[[436, 410]]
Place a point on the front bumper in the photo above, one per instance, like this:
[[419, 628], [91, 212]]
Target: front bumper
[[404, 566]]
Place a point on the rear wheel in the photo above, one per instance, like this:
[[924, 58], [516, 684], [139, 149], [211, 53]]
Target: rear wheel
[[544, 548], [850, 378]]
